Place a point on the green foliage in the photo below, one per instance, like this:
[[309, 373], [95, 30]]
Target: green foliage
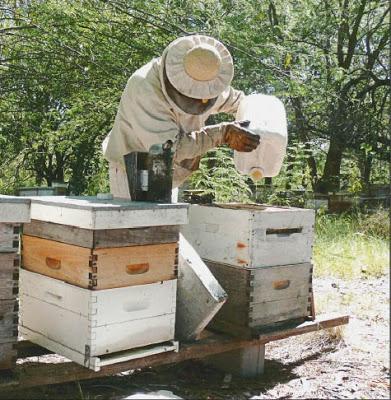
[[218, 176], [64, 64]]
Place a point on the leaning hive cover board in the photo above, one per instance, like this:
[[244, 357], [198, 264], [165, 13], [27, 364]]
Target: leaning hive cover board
[[92, 213], [107, 320]]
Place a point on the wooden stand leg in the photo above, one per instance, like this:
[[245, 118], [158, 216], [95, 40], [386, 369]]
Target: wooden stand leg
[[247, 362]]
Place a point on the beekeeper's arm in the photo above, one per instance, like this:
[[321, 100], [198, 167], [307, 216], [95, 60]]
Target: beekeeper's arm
[[193, 144]]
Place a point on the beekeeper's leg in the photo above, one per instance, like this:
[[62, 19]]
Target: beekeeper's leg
[[119, 186]]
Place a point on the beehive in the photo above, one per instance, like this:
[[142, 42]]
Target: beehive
[[86, 325], [254, 236], [260, 298], [261, 256], [118, 259], [14, 211]]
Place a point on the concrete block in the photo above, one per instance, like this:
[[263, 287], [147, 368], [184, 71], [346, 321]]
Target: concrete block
[[248, 362]]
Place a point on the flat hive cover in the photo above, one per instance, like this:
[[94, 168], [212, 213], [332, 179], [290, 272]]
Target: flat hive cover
[[14, 209], [92, 213]]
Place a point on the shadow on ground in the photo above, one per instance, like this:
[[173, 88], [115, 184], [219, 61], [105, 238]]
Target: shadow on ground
[[190, 380]]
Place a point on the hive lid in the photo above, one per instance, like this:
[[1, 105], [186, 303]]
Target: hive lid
[[14, 209], [89, 212]]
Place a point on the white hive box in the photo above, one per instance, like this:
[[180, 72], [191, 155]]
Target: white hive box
[[93, 213], [14, 210], [85, 325], [249, 235]]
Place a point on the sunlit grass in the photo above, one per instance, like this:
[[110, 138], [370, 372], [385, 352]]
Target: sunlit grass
[[352, 246]]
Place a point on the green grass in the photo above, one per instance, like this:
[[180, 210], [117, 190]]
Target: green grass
[[352, 245]]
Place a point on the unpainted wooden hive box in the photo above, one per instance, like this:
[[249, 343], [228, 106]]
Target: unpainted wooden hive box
[[251, 235], [14, 211], [262, 298], [261, 256]]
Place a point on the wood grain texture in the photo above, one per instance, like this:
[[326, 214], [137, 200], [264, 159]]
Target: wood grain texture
[[119, 267], [9, 275], [9, 237], [102, 238], [75, 261], [47, 374], [200, 295], [270, 312], [8, 321], [101, 268], [251, 236], [262, 296]]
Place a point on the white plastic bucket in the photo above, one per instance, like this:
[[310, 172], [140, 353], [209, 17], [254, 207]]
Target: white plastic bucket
[[268, 120]]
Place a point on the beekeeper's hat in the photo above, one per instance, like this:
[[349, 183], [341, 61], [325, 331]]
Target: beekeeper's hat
[[198, 66]]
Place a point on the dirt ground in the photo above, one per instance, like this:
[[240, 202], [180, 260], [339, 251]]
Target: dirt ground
[[352, 362]]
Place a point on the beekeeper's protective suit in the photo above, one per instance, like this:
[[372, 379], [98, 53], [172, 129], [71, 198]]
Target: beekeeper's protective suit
[[170, 98]]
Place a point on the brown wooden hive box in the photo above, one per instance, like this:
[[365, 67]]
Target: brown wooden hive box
[[102, 244], [260, 298], [102, 268]]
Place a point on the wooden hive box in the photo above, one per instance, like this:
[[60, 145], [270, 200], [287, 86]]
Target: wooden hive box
[[92, 213], [14, 211], [99, 244], [8, 332], [100, 268], [261, 298], [85, 325], [249, 235], [9, 275]]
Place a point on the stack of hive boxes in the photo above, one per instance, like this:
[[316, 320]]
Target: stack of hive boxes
[[99, 278], [13, 212], [261, 256]]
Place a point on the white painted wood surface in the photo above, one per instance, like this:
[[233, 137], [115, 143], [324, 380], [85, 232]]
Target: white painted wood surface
[[96, 362], [14, 209], [106, 306], [92, 213], [200, 295], [251, 236], [105, 321]]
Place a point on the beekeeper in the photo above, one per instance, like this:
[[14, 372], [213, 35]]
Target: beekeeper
[[170, 98]]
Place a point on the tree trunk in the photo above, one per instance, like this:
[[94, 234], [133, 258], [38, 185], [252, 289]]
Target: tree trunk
[[303, 135], [366, 169], [330, 180]]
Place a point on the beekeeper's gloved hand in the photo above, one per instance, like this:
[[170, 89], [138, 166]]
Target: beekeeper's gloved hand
[[197, 143], [238, 138]]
